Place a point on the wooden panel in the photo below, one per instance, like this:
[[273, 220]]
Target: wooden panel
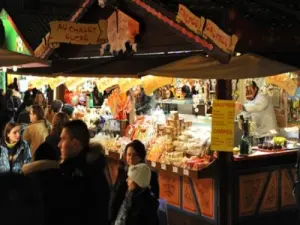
[[205, 192], [287, 198], [250, 190], [270, 200], [169, 186], [188, 200]]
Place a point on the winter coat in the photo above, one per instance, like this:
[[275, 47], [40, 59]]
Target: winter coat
[[22, 156], [35, 134], [48, 176], [88, 189], [120, 188], [9, 107], [139, 207], [263, 114]]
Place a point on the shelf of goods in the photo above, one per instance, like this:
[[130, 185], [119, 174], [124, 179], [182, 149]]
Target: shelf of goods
[[179, 153]]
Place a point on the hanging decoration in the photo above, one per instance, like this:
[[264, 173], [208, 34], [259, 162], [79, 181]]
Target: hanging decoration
[[121, 30]]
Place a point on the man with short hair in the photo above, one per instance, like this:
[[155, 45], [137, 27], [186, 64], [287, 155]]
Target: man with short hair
[[83, 169]]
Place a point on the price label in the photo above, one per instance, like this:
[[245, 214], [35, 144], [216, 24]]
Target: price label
[[153, 164], [163, 166], [186, 172], [106, 152], [175, 169]]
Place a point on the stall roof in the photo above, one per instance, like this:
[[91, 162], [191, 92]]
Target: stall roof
[[245, 66], [127, 66], [9, 59]]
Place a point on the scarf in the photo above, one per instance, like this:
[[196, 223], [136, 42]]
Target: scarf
[[9, 145]]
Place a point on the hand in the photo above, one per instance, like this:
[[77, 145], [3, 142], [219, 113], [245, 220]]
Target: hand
[[238, 107]]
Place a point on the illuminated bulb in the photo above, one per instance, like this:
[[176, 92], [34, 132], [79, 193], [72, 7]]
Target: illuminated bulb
[[4, 69], [15, 69], [238, 54]]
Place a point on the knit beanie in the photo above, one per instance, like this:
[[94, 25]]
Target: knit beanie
[[140, 174], [56, 105], [69, 109]]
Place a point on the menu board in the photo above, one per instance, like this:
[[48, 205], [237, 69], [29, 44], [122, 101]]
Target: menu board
[[222, 137]]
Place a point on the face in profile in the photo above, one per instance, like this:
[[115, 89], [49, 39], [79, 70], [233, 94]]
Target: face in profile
[[131, 184], [67, 145], [250, 92], [14, 135]]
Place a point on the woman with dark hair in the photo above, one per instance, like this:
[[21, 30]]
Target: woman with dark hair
[[59, 121], [40, 99], [14, 152], [39, 128], [135, 153]]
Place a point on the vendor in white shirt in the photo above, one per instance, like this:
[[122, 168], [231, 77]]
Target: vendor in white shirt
[[261, 110]]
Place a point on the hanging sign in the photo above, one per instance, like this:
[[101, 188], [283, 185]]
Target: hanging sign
[[222, 135], [283, 81], [224, 41], [189, 19], [207, 29], [121, 29], [78, 33]]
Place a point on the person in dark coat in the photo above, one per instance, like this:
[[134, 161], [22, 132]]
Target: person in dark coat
[[60, 119], [140, 205], [10, 109], [46, 173], [21, 201], [135, 153], [27, 101], [83, 166]]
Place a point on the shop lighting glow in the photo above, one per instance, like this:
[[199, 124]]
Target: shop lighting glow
[[238, 54], [15, 69], [4, 69]]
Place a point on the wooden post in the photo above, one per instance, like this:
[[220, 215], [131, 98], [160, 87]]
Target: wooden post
[[224, 92]]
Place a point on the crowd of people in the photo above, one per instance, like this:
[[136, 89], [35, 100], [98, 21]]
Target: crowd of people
[[50, 172]]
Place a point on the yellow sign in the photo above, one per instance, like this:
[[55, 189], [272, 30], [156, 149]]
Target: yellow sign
[[193, 22], [222, 135], [224, 41], [283, 81], [78, 33]]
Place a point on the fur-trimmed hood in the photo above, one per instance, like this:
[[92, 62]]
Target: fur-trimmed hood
[[40, 165], [95, 153]]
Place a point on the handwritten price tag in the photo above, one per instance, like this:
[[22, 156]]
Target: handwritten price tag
[[153, 164], [175, 169], [186, 172], [106, 152], [163, 166]]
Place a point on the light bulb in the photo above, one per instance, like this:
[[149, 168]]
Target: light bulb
[[15, 69], [4, 69]]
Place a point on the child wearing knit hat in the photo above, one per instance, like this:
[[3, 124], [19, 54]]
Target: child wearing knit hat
[[138, 175], [139, 206]]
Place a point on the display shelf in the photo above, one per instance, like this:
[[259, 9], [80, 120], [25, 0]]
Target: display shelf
[[164, 167], [260, 155]]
